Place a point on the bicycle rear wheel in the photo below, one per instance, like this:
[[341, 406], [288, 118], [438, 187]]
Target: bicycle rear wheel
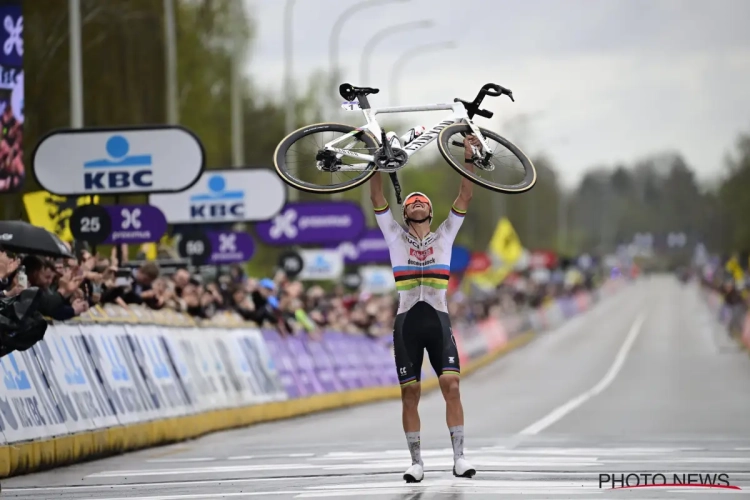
[[513, 171], [302, 163]]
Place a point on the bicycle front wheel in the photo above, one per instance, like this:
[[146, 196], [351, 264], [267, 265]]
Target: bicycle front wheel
[[302, 162], [508, 170]]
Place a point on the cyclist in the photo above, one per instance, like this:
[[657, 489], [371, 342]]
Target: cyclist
[[421, 266]]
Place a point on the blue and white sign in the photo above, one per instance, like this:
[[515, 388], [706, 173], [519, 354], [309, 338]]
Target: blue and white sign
[[222, 196], [377, 279], [321, 265], [159, 159]]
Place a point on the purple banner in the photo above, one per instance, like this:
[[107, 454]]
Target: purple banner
[[341, 355], [370, 248], [313, 223], [135, 224], [305, 365], [228, 247], [325, 368], [284, 364]]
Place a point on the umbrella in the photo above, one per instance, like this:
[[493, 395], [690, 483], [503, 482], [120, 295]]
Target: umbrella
[[21, 237]]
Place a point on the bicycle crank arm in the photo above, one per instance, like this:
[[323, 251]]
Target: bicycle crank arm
[[396, 186]]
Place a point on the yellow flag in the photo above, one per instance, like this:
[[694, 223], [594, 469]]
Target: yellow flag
[[52, 212], [504, 250], [505, 244]]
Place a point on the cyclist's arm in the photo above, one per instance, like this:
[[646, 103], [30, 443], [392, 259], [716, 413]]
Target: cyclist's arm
[[461, 204], [465, 191], [387, 224]]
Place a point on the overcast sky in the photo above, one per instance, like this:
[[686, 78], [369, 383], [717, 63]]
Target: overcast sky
[[599, 81]]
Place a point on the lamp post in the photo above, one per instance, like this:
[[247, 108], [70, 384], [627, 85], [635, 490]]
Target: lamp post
[[400, 63], [76, 77], [364, 65], [170, 44]]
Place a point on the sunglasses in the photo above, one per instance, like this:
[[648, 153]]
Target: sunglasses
[[417, 198]]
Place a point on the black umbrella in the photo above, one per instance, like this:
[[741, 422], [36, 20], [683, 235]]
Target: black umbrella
[[21, 237]]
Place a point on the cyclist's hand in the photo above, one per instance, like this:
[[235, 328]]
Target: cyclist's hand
[[469, 141]]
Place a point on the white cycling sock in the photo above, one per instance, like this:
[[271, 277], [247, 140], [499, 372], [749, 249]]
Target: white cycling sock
[[412, 438], [457, 440]]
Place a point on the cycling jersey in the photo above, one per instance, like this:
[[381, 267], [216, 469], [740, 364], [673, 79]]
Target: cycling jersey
[[421, 267]]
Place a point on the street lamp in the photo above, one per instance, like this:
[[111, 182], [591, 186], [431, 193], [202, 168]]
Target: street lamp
[[404, 58], [364, 65], [170, 39], [333, 40]]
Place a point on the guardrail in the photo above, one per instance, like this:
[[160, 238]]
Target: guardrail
[[117, 380]]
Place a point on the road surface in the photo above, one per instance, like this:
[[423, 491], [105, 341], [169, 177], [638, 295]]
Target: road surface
[[645, 382]]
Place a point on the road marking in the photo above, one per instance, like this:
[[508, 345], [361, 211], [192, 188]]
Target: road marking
[[202, 470], [560, 412], [177, 460]]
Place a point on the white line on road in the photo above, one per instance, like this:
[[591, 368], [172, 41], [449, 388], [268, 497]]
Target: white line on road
[[574, 403], [178, 460]]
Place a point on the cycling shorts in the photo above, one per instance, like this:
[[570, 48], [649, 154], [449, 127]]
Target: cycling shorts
[[424, 328]]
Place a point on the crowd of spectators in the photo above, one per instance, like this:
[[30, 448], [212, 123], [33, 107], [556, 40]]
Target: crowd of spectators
[[72, 286]]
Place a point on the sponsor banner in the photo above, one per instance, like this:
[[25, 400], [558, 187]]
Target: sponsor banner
[[460, 258], [313, 223], [321, 265], [370, 248], [262, 365], [12, 107], [284, 364], [27, 408], [377, 279], [493, 332], [479, 262], [159, 375], [135, 224], [229, 247], [325, 370], [235, 364], [88, 161], [260, 375], [119, 378], [62, 357], [225, 196], [305, 365], [202, 392], [340, 351]]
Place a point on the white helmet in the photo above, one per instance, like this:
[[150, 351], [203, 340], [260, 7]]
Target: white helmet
[[415, 193]]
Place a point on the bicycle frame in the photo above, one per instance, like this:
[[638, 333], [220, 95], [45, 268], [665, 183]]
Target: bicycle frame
[[458, 114]]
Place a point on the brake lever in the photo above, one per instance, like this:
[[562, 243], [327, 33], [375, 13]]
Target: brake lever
[[510, 94]]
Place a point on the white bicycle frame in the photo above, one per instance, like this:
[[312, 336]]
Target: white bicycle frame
[[458, 114]]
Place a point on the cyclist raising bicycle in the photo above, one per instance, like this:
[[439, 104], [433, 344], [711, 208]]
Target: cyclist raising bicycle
[[421, 266]]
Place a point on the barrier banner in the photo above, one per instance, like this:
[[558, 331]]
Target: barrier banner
[[234, 362], [260, 365], [304, 363], [324, 366], [183, 354], [567, 306], [345, 361], [284, 364], [213, 363], [370, 360], [69, 383], [161, 381], [119, 380], [494, 334], [25, 415]]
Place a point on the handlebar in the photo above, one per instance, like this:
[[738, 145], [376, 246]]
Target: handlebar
[[488, 89]]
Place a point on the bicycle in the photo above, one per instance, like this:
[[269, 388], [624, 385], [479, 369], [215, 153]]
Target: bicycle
[[381, 156]]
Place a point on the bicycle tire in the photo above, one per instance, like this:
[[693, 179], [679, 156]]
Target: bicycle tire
[[529, 169], [279, 160]]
